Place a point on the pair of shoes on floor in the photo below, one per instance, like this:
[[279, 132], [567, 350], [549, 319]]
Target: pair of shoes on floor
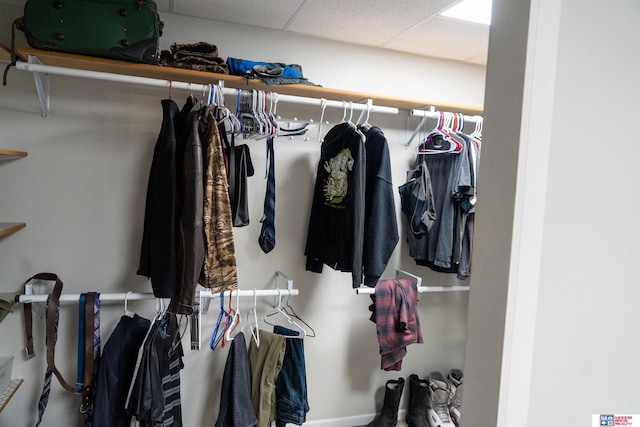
[[433, 402], [444, 398]]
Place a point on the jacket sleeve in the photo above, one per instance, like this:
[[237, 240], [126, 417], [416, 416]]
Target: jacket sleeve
[[381, 227], [358, 215]]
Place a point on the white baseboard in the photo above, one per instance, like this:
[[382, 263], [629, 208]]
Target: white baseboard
[[356, 420]]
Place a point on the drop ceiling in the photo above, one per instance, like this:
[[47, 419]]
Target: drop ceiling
[[410, 26]]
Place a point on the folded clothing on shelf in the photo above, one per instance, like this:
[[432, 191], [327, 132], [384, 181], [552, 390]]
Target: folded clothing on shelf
[[200, 56], [271, 73]]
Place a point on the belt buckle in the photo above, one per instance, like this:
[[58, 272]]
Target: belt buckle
[[28, 354]]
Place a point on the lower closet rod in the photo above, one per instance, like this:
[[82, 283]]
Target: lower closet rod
[[130, 296], [421, 289], [147, 81]]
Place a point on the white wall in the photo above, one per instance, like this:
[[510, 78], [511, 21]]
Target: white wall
[[81, 192], [570, 349]]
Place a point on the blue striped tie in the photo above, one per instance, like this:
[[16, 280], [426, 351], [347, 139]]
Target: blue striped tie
[[46, 388], [267, 237]]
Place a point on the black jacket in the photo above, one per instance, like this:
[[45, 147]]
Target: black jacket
[[158, 254], [336, 223], [116, 371]]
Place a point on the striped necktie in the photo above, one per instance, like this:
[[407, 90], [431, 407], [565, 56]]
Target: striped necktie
[[88, 410], [46, 388], [267, 237]]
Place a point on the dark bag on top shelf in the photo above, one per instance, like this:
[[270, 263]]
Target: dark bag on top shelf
[[128, 30]]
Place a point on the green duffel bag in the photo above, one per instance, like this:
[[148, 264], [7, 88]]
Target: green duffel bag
[[119, 29]]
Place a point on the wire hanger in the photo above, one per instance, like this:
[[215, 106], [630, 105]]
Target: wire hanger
[[278, 310], [289, 310]]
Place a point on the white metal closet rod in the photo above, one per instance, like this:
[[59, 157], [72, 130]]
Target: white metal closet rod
[[131, 296], [100, 75], [421, 289]]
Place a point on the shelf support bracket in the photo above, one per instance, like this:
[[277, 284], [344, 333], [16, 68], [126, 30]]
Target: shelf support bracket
[[42, 86]]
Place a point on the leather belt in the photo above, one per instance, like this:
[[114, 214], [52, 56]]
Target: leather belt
[[53, 302], [28, 329]]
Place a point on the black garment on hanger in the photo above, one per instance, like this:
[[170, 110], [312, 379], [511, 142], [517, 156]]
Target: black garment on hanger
[[190, 238], [336, 223], [158, 254], [155, 396], [236, 407], [240, 167], [116, 371]]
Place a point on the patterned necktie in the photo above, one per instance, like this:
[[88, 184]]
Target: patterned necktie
[[267, 239], [88, 413], [46, 388]]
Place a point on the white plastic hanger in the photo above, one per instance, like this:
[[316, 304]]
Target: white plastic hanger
[[365, 113], [344, 111], [126, 308], [323, 105], [234, 320], [441, 130], [252, 315]]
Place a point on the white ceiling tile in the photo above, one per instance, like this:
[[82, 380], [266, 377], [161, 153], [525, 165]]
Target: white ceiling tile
[[257, 13], [410, 26], [366, 22], [443, 38]]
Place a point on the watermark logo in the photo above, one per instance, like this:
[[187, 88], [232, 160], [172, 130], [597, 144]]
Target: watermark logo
[[600, 420]]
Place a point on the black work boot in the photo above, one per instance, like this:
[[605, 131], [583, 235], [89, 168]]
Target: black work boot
[[388, 416], [418, 391]]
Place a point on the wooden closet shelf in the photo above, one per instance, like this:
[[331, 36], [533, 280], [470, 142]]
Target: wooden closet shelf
[[68, 60], [11, 154], [10, 227]]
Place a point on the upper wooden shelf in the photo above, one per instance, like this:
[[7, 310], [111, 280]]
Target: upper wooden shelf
[[7, 228], [11, 154], [190, 76]]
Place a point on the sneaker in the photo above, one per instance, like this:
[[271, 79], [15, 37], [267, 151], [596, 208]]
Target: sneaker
[[438, 398], [455, 380]]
